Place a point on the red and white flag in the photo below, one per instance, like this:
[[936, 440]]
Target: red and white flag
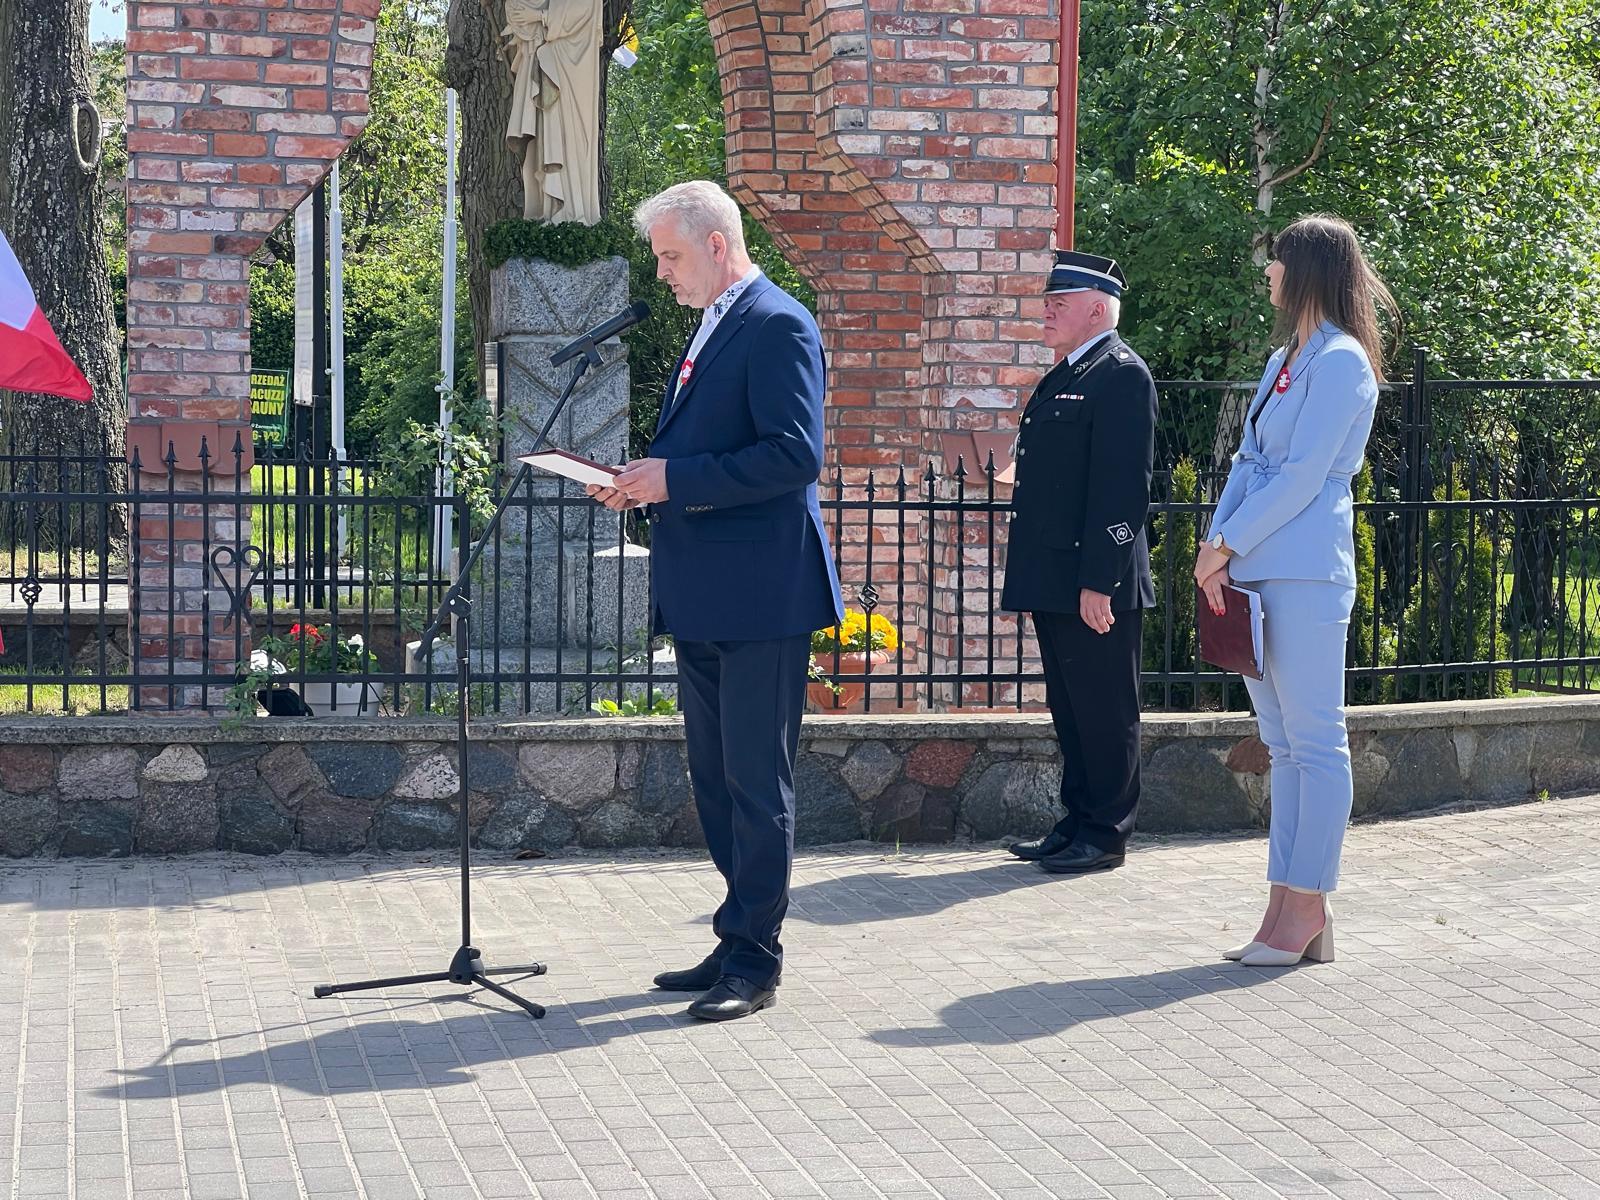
[[31, 359]]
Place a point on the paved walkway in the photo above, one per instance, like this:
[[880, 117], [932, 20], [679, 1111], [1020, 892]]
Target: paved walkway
[[951, 1025]]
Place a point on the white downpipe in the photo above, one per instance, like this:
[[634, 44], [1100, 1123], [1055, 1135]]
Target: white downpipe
[[444, 533], [336, 349]]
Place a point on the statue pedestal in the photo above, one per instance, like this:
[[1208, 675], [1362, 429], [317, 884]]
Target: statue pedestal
[[561, 571]]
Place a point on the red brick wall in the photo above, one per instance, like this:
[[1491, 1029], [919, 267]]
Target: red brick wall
[[236, 109], [902, 153]]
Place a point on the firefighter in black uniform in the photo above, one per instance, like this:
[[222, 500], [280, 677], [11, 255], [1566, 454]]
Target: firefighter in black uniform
[[1078, 559]]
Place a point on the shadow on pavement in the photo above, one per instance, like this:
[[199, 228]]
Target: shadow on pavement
[[1039, 1010], [375, 1053]]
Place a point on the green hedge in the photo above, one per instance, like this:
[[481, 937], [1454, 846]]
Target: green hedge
[[1450, 617], [568, 244]]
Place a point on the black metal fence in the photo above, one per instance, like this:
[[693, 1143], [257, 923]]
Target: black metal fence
[[1477, 546]]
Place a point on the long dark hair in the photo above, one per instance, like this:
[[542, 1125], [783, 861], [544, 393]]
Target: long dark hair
[[1326, 276]]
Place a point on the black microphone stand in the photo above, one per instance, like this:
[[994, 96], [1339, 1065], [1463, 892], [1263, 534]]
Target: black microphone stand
[[466, 968]]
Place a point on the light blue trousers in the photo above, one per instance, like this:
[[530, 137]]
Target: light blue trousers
[[1300, 712]]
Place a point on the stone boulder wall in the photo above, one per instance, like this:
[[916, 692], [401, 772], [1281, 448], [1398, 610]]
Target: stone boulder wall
[[114, 786]]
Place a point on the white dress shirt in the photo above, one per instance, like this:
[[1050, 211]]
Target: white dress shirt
[[709, 320], [1072, 359]]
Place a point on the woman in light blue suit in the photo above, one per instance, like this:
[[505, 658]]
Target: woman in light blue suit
[[1283, 527]]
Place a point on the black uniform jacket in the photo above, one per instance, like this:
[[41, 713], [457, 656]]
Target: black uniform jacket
[[1085, 450]]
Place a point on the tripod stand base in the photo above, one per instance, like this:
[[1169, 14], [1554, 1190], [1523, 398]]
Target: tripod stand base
[[466, 970]]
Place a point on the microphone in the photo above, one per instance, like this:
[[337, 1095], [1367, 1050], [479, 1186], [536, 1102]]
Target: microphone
[[626, 319]]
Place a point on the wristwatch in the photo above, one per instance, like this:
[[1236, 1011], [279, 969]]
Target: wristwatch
[[1217, 543]]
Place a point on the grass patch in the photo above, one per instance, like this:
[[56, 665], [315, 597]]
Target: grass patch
[[54, 700]]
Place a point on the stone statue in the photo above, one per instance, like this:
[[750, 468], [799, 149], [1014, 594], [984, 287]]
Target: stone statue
[[555, 106]]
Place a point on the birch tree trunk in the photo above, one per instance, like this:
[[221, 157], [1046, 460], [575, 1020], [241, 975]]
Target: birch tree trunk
[[1264, 172]]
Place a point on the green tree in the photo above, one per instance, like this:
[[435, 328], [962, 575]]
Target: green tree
[[664, 126], [1461, 141], [393, 176], [393, 180], [108, 80]]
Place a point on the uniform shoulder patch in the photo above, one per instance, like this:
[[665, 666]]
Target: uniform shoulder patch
[[1120, 533]]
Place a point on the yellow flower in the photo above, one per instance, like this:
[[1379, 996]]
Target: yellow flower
[[884, 635], [856, 633]]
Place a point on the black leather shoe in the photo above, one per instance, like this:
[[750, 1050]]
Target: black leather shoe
[[1053, 842], [734, 996], [695, 979], [1080, 857]]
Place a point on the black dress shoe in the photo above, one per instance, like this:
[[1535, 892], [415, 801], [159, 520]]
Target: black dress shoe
[[1080, 857], [734, 996], [695, 979], [1053, 842]]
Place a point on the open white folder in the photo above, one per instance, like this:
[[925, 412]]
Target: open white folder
[[573, 466]]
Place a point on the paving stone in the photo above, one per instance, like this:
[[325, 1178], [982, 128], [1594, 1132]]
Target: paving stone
[[952, 1023]]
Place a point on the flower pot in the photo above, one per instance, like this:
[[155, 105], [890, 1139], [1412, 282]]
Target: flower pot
[[852, 696], [321, 697]]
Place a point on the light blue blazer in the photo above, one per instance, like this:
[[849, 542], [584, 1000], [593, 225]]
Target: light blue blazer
[[1286, 511]]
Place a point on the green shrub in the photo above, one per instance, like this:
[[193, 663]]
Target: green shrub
[[1174, 542], [568, 244], [1359, 647], [1450, 617]]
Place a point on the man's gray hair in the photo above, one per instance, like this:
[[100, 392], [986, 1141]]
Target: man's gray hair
[[699, 207]]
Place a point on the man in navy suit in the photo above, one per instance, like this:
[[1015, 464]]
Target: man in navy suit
[[740, 569]]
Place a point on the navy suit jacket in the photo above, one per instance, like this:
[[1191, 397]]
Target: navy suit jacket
[[737, 550]]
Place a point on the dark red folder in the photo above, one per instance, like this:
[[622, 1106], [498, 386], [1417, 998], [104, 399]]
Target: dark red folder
[[1232, 641]]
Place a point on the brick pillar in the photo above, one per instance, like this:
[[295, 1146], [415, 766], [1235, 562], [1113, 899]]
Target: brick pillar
[[902, 155], [236, 109]]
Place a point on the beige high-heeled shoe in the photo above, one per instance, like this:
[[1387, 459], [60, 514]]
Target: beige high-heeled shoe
[[1318, 949], [1238, 952]]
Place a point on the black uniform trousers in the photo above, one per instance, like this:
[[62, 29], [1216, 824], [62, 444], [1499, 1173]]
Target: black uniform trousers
[[1091, 682], [741, 704]]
